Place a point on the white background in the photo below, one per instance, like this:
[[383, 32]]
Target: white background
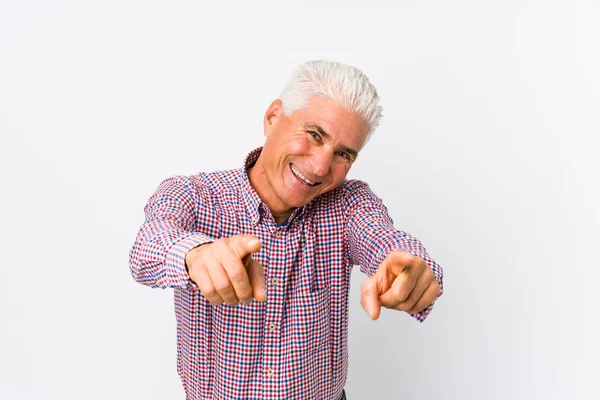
[[487, 153]]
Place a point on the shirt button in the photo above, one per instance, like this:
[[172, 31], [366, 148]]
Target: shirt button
[[271, 327], [274, 282], [270, 372], [278, 234]]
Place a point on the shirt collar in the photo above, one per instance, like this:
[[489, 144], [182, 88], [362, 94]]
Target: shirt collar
[[251, 199]]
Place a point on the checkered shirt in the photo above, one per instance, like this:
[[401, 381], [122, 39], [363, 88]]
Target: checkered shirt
[[294, 345]]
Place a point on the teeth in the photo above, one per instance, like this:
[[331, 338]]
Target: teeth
[[299, 175]]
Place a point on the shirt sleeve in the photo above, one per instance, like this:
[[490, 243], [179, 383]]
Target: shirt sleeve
[[371, 236], [157, 258]]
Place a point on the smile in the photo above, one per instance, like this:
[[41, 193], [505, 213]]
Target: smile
[[302, 177]]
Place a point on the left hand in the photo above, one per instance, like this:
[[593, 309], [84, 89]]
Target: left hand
[[402, 282]]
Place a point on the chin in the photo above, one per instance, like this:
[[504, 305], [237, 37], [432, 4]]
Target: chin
[[295, 202], [299, 203]]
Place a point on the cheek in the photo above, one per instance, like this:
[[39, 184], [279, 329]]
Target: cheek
[[299, 145], [339, 172], [293, 148]]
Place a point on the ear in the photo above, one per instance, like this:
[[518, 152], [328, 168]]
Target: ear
[[273, 116]]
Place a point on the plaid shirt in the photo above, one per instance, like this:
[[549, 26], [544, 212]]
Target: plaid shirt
[[294, 345]]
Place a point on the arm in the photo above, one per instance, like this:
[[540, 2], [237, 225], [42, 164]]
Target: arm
[[157, 258], [371, 236]]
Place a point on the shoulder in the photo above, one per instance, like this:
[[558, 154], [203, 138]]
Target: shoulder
[[348, 194], [203, 185], [354, 189], [351, 187], [218, 181]]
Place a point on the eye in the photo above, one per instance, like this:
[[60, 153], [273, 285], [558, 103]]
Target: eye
[[315, 135], [343, 154]]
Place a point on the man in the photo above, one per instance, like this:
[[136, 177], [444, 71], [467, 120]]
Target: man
[[260, 257]]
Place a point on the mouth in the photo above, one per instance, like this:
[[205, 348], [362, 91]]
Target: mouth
[[302, 178]]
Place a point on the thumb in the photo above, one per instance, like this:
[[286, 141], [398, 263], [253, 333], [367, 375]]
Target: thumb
[[369, 297], [256, 275]]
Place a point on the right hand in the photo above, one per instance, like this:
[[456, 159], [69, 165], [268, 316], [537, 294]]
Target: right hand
[[225, 272]]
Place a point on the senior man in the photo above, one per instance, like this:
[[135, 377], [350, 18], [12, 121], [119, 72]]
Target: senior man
[[260, 257]]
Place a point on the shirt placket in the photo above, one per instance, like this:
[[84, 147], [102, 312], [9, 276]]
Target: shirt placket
[[276, 280]]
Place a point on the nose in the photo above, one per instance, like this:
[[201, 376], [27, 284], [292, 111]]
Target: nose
[[321, 162]]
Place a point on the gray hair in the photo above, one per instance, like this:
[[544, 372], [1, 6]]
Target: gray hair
[[345, 84]]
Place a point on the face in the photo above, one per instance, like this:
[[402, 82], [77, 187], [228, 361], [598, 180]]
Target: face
[[306, 154]]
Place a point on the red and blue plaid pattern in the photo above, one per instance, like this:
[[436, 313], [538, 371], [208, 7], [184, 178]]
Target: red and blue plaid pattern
[[295, 345]]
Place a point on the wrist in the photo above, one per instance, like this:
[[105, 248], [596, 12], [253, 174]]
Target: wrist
[[189, 255]]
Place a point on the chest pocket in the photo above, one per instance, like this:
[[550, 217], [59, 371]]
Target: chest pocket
[[309, 315]]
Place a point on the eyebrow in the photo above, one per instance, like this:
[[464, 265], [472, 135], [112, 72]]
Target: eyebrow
[[311, 126]]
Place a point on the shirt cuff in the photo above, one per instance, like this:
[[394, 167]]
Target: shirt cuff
[[176, 272]]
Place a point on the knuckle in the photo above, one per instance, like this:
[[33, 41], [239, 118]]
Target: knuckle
[[223, 287], [414, 310], [211, 295], [216, 301], [245, 295], [228, 242], [400, 295], [237, 274], [219, 245], [209, 292], [427, 273], [230, 300]]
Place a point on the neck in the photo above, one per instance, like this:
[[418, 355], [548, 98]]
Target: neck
[[260, 183]]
